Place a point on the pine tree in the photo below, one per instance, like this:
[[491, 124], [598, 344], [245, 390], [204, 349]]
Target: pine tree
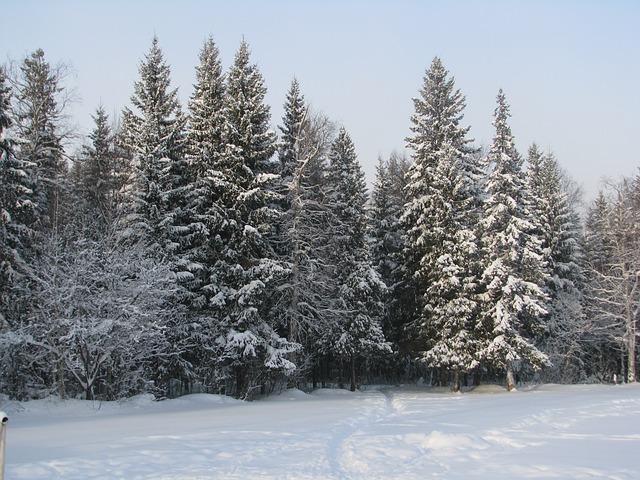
[[513, 301], [358, 289], [208, 156], [441, 244]]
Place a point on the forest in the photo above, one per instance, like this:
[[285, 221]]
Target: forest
[[200, 249]]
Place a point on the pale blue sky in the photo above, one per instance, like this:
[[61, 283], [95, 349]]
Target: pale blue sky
[[570, 69]]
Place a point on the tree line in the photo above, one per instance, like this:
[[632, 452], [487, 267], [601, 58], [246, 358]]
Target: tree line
[[203, 251]]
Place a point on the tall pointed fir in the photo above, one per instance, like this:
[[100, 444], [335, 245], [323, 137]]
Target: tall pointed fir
[[357, 333], [94, 173], [39, 113], [211, 223], [513, 299], [253, 353], [560, 232], [154, 133], [386, 238], [441, 245], [16, 213]]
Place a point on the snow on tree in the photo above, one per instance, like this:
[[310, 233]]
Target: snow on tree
[[155, 136], [560, 232], [94, 172], [613, 254], [513, 300], [38, 108], [207, 183], [16, 205], [249, 116], [98, 318], [441, 245], [305, 305], [386, 243], [248, 270], [357, 332]]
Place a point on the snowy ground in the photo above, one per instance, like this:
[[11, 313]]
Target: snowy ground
[[405, 433]]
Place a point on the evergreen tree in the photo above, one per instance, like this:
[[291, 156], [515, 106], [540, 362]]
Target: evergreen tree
[[249, 270], [513, 300], [16, 215], [560, 234], [155, 136], [38, 111], [94, 171], [249, 116], [208, 156], [386, 238], [441, 245], [358, 289], [295, 114]]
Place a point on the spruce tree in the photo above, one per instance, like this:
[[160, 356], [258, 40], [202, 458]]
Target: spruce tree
[[559, 230], [358, 290], [386, 238], [249, 116], [16, 209], [249, 270], [208, 157], [441, 245], [513, 299], [38, 107], [94, 172], [154, 133]]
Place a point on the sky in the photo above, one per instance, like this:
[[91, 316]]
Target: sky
[[570, 69]]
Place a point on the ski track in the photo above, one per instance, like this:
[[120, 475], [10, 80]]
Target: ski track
[[404, 433]]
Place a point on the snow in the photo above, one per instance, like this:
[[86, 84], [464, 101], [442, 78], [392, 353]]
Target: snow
[[411, 432]]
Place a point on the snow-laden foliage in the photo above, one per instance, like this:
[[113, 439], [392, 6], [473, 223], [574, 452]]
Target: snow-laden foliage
[[355, 331], [39, 100], [201, 252], [559, 230], [154, 132], [514, 266], [248, 272], [613, 259], [386, 239], [441, 245], [98, 320], [16, 206]]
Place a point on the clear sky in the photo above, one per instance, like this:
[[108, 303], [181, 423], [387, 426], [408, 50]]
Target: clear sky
[[569, 69]]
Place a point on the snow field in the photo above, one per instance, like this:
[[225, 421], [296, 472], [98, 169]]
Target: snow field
[[406, 433]]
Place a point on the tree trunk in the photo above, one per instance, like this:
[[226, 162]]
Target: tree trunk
[[456, 379], [353, 373], [511, 381], [61, 371], [631, 354]]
